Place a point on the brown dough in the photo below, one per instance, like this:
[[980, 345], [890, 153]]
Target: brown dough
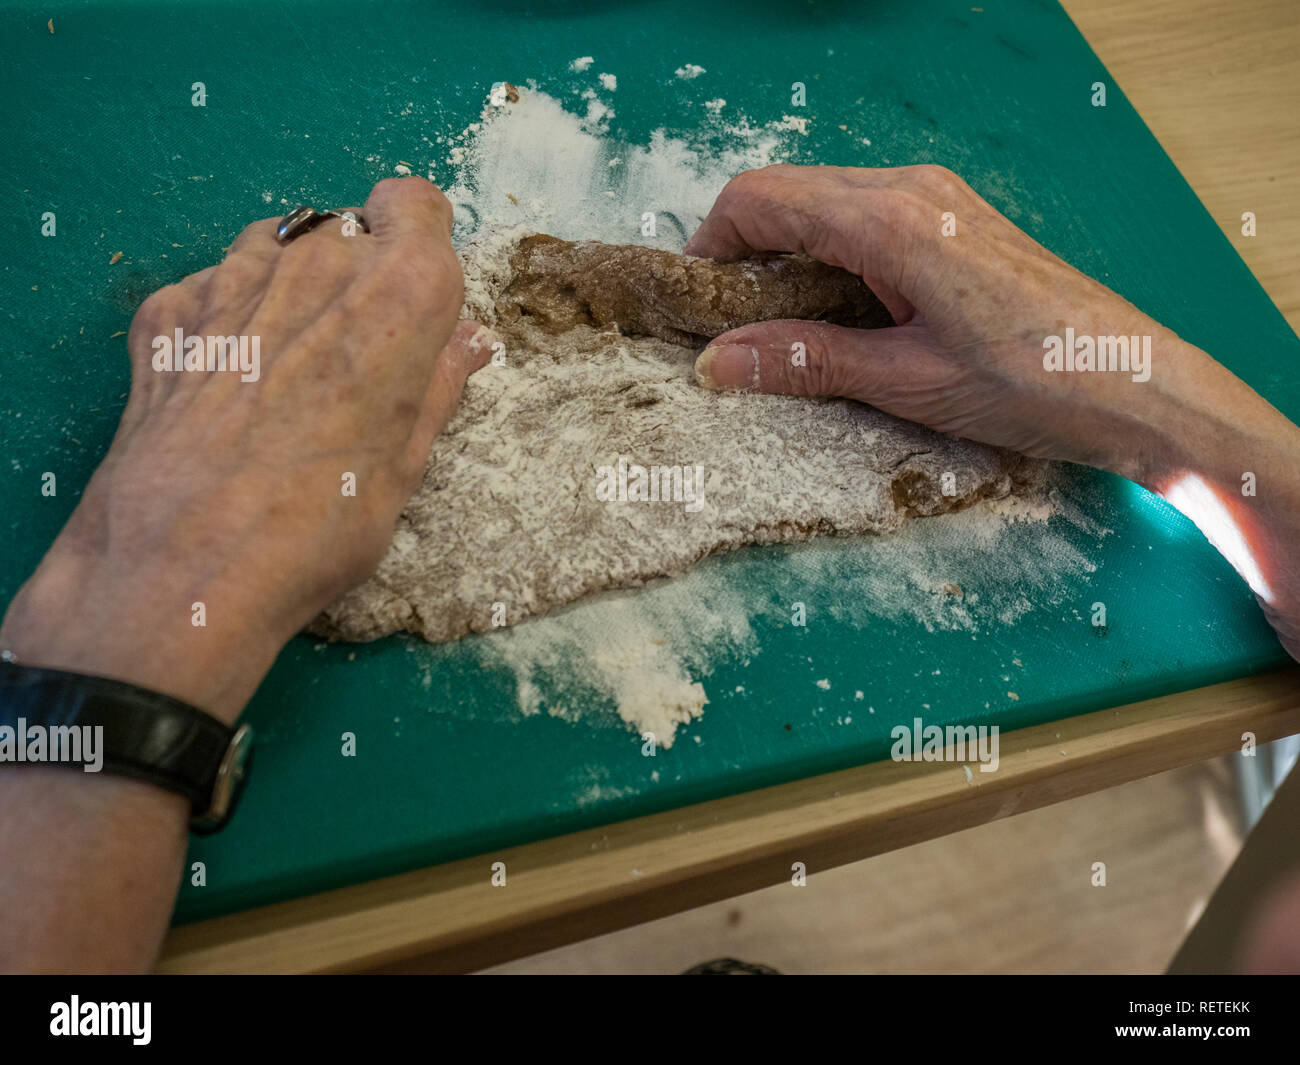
[[687, 301]]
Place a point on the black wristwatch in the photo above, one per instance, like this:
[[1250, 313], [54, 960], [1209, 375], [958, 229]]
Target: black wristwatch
[[44, 715]]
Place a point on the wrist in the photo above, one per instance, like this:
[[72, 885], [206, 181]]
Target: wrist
[[1191, 416], [1226, 459], [159, 630], [1207, 422]]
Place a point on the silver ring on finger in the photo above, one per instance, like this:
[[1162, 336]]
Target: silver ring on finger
[[303, 219]]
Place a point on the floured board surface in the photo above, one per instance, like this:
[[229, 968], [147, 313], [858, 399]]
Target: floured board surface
[[976, 617]]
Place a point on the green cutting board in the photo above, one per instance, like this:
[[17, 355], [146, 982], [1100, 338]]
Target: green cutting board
[[101, 131]]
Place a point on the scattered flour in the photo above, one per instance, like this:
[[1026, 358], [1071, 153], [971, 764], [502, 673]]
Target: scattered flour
[[646, 655], [690, 70], [598, 113], [536, 165]]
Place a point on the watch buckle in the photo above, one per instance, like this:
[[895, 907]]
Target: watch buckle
[[228, 783]]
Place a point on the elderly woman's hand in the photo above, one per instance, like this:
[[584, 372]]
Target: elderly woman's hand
[[980, 309], [248, 500]]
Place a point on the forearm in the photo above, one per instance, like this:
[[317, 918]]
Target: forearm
[[217, 525], [90, 872], [91, 862]]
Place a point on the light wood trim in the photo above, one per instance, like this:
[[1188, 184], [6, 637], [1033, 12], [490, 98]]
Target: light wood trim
[[561, 890], [1218, 86]]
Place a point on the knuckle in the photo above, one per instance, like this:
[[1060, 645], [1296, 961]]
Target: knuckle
[[255, 233], [807, 364], [238, 268], [398, 186], [439, 199], [905, 210], [429, 279], [148, 314], [158, 308], [782, 170], [414, 189], [234, 279], [937, 180], [818, 227], [414, 207], [790, 367], [824, 377], [748, 184]]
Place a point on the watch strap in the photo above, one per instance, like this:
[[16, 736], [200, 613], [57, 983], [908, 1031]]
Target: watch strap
[[146, 735]]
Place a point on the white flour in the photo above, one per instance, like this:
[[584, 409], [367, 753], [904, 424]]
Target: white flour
[[535, 165], [647, 653]]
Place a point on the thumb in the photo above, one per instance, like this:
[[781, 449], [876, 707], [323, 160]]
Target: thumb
[[468, 349], [795, 358]]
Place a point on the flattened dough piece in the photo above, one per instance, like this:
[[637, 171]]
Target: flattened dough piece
[[508, 509]]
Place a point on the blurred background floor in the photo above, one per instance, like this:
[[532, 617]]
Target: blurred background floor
[[1014, 896]]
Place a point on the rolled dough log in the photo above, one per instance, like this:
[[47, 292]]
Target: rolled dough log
[[682, 300], [509, 522]]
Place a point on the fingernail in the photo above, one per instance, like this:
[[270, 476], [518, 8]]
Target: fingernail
[[727, 366], [480, 345], [483, 337]]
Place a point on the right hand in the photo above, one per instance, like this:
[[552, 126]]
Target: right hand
[[971, 313], [965, 355]]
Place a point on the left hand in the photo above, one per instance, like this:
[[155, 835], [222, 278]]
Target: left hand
[[229, 492]]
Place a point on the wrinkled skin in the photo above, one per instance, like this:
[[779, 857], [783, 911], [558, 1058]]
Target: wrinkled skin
[[966, 353], [965, 356], [229, 492]]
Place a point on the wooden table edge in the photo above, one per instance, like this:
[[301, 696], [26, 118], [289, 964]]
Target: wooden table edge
[[452, 918]]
